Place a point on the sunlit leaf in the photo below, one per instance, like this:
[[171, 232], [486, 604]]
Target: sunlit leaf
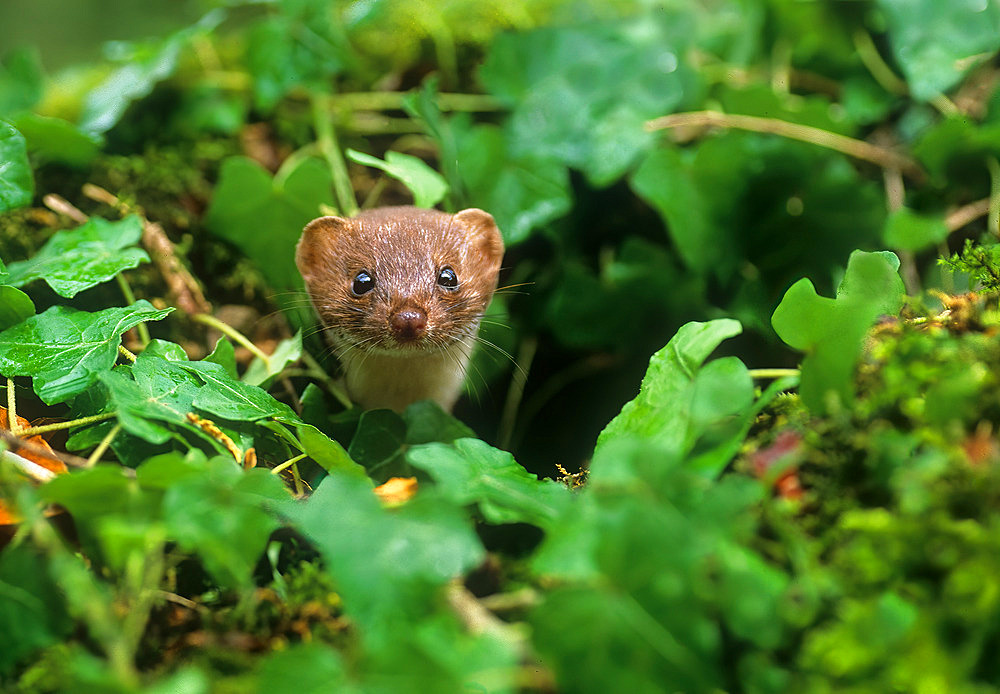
[[16, 182], [426, 184]]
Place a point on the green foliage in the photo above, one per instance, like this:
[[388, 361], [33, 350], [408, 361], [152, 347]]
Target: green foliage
[[74, 260], [16, 182], [426, 184], [831, 331], [235, 525]]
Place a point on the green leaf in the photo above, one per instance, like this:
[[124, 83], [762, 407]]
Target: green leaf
[[329, 454], [33, 613], [15, 306], [388, 565], [304, 668], [678, 398], [910, 231], [427, 422], [224, 355], [378, 441], [264, 218], [57, 140], [144, 67], [77, 259], [16, 182], [471, 471], [261, 373], [232, 399], [222, 516], [936, 43], [64, 350], [22, 81], [523, 191], [426, 184], [569, 97], [831, 331]]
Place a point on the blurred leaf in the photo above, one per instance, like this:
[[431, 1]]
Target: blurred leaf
[[57, 140], [388, 565], [522, 191], [678, 397], [32, 609], [910, 231], [329, 454], [470, 471], [569, 99], [955, 149], [300, 46], [305, 668], [77, 259], [264, 218], [262, 374], [221, 515], [379, 439], [17, 185], [831, 331], [22, 81], [427, 422], [426, 184], [15, 306], [936, 43], [144, 67], [64, 350]]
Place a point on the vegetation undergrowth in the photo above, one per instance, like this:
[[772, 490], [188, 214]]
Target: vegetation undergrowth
[[189, 502]]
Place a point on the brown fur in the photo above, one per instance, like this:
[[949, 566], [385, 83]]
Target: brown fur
[[403, 249]]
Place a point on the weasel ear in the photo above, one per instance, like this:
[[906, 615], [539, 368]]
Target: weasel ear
[[482, 230], [316, 245]]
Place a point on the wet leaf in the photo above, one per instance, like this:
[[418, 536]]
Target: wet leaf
[[17, 185]]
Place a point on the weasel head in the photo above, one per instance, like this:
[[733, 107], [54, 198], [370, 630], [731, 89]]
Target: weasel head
[[401, 280]]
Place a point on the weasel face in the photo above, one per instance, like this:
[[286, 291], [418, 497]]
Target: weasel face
[[401, 280]]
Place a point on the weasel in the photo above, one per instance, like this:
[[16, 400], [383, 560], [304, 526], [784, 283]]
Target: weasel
[[401, 292]]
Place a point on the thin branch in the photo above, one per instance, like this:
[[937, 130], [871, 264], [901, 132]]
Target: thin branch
[[773, 373], [993, 221], [859, 149], [15, 443], [966, 214], [278, 469], [516, 391], [61, 205], [878, 68], [69, 424], [102, 447], [12, 423], [231, 332]]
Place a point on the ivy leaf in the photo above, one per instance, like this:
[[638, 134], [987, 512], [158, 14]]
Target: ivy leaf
[[15, 306], [261, 373], [569, 99], [678, 399], [228, 398], [471, 471], [909, 231], [523, 191], [264, 217], [831, 331], [78, 259], [379, 440], [22, 81], [329, 454], [16, 182], [64, 350], [144, 67], [935, 43], [426, 184], [388, 565], [57, 140]]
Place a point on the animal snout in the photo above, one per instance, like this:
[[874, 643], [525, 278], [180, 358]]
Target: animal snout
[[408, 324]]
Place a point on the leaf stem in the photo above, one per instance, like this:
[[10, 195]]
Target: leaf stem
[[236, 335], [12, 408], [59, 426], [515, 393], [278, 469], [859, 149], [317, 372], [773, 373], [102, 447], [326, 139], [876, 65], [141, 328], [393, 101]]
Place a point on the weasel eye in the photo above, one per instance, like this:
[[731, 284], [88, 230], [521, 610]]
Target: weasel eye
[[447, 278], [363, 283]]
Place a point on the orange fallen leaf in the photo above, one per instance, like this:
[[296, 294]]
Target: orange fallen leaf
[[32, 462], [397, 490]]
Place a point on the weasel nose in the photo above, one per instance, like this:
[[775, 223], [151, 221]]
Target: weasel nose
[[408, 324]]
